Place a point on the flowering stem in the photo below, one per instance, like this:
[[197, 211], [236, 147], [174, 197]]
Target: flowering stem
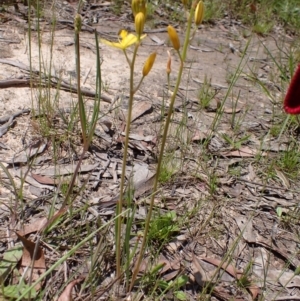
[[159, 163], [119, 203], [162, 147]]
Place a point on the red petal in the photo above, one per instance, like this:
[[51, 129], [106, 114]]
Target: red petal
[[292, 98]]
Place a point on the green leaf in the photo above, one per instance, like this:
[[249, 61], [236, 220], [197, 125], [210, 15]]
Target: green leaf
[[171, 215], [163, 284], [14, 291], [279, 211], [181, 281], [297, 271], [10, 259], [180, 295], [158, 267]]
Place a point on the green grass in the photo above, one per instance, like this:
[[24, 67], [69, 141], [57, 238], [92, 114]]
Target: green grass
[[289, 161], [263, 13], [206, 93], [163, 227], [261, 17]]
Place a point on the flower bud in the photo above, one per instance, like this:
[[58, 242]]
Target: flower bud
[[169, 64], [199, 13], [139, 21], [135, 7], [174, 37], [77, 23], [143, 9], [139, 6], [149, 63]]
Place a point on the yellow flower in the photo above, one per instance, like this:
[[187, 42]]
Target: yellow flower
[[149, 63], [174, 37], [139, 21], [125, 40], [199, 13]]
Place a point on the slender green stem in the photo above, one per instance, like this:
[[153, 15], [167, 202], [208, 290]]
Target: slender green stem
[[72, 182], [127, 58], [119, 203], [187, 34], [87, 134], [80, 100], [138, 86]]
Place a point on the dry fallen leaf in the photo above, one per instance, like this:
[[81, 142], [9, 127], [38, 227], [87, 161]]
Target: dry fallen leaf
[[246, 228], [67, 293], [244, 152], [62, 170], [34, 226], [231, 270], [140, 109], [199, 136], [157, 40], [43, 179], [30, 152], [231, 110], [32, 259], [285, 181]]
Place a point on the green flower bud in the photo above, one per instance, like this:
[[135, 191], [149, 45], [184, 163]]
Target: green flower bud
[[77, 23]]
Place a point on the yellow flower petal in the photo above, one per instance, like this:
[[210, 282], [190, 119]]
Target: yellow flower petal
[[126, 40], [113, 44], [129, 40], [123, 33]]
